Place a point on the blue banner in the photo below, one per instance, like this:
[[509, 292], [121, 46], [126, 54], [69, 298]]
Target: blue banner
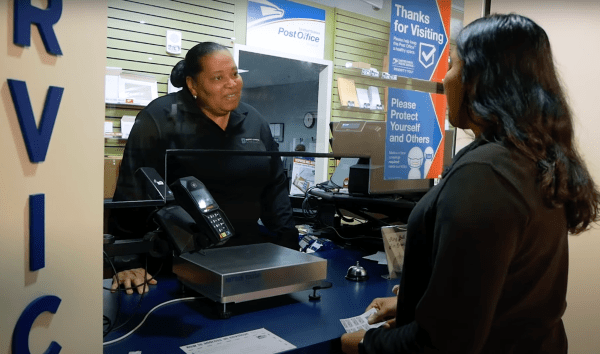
[[419, 37], [413, 135]]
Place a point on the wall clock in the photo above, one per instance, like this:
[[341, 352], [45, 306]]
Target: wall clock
[[309, 119]]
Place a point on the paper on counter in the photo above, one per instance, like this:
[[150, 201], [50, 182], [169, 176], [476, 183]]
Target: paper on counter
[[259, 341], [379, 257], [357, 323]]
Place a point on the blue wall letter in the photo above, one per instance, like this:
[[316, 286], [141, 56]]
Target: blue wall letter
[[20, 340], [36, 140], [26, 15], [37, 231]]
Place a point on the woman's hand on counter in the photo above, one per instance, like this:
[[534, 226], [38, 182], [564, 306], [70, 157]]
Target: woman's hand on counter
[[137, 277]]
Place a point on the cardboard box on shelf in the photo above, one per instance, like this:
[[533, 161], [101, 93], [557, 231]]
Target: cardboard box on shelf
[[361, 65], [347, 92]]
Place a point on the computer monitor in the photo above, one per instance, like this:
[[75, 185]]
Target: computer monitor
[[341, 174], [367, 139]]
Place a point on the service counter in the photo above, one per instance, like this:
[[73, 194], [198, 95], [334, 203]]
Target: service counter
[[313, 326]]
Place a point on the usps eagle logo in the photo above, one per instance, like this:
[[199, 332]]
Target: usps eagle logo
[[263, 11]]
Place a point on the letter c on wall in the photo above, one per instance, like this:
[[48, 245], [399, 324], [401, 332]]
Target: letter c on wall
[[20, 340]]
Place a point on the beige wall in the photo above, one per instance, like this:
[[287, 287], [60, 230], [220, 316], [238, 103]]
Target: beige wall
[[70, 177], [572, 27]]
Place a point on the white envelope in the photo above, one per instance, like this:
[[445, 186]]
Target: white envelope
[[363, 98], [374, 97]]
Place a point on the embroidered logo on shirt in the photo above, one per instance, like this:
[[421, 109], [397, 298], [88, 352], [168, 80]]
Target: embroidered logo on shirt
[[250, 140]]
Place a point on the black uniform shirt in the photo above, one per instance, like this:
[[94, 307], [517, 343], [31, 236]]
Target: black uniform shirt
[[246, 188], [486, 263]]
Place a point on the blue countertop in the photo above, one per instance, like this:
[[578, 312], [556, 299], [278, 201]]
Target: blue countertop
[[312, 326]]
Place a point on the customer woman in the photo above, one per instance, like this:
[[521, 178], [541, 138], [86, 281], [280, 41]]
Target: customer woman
[[207, 114], [486, 260]]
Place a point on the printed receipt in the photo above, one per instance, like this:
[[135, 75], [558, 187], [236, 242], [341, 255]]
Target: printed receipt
[[259, 341], [357, 323]]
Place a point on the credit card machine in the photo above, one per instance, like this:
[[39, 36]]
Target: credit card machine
[[194, 198]]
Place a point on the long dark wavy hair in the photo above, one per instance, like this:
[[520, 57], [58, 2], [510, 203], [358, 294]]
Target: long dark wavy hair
[[191, 65], [513, 90]]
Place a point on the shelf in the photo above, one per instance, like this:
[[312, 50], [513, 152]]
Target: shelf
[[111, 137], [124, 105], [361, 110], [401, 83]]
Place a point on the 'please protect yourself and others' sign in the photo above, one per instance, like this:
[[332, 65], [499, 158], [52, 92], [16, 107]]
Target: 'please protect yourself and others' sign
[[414, 135]]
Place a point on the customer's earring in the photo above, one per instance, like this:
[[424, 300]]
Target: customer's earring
[[195, 97]]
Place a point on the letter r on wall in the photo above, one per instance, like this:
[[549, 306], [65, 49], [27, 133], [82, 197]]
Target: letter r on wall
[[26, 15]]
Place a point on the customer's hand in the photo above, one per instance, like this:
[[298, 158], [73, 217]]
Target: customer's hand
[[386, 309], [389, 324], [350, 341], [135, 276]]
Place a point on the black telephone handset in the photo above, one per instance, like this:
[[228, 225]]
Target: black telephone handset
[[193, 197], [191, 218]]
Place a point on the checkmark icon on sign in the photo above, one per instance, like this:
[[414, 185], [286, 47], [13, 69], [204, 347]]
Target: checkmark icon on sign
[[427, 56]]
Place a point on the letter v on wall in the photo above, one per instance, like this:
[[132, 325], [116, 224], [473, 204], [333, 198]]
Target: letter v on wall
[[36, 139]]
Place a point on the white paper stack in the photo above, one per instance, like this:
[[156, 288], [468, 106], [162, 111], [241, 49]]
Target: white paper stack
[[137, 89], [363, 98], [374, 98], [126, 125], [111, 84], [108, 128]]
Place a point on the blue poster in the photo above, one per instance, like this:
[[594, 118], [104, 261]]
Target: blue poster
[[419, 38], [413, 148]]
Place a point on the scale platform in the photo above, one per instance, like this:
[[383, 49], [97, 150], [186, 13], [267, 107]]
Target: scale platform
[[249, 272]]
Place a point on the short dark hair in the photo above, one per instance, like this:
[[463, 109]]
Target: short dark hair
[[513, 91], [191, 65]]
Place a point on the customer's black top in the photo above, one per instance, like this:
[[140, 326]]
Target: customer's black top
[[486, 263]]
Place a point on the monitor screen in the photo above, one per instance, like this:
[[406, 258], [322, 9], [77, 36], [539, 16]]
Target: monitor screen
[[341, 173]]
